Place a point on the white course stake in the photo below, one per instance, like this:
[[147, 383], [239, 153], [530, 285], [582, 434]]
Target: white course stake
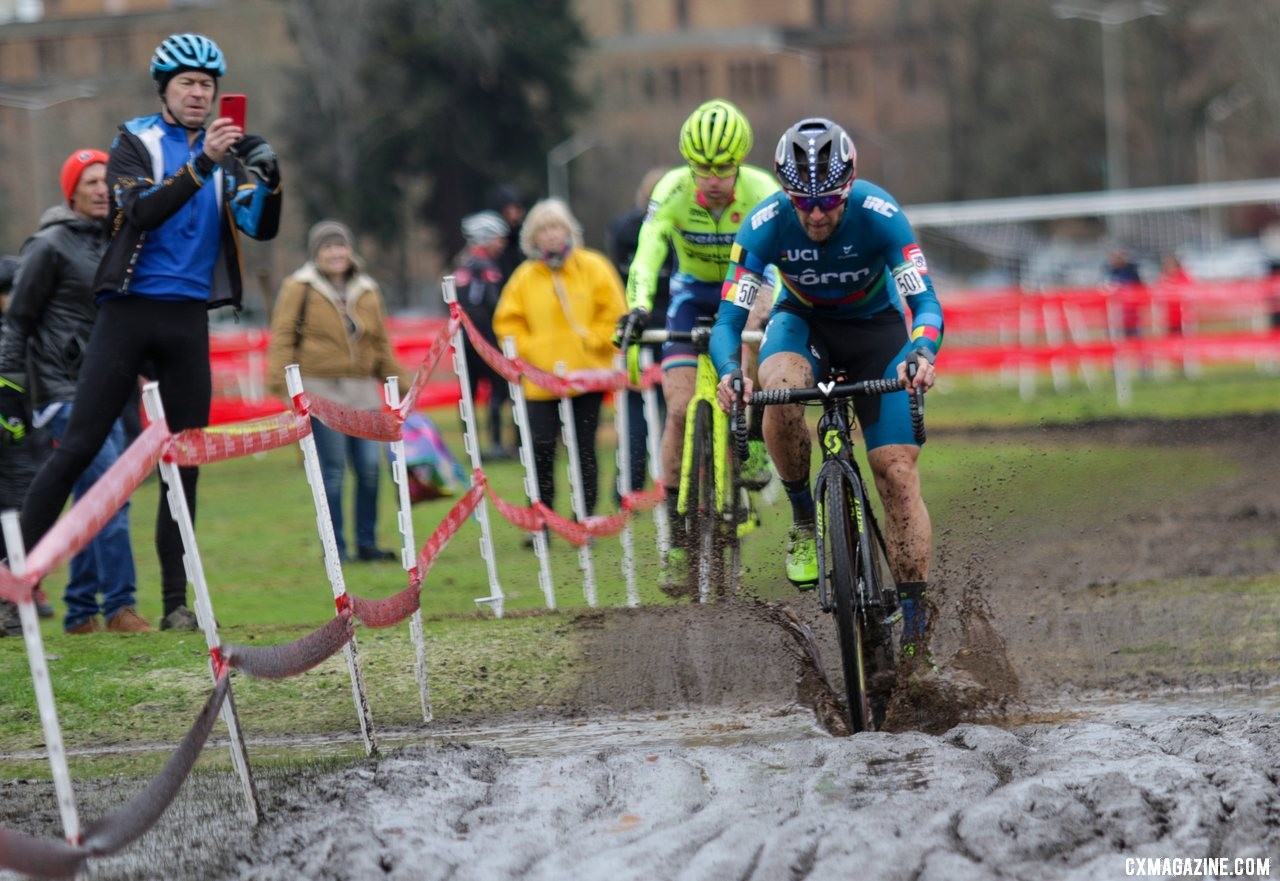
[[408, 552], [40, 679], [194, 567], [622, 428], [653, 443], [576, 495], [471, 438], [521, 411], [332, 565]]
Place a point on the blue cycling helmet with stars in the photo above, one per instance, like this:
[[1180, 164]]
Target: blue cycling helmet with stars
[[815, 157]]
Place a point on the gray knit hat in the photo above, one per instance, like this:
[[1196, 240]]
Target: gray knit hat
[[329, 231]]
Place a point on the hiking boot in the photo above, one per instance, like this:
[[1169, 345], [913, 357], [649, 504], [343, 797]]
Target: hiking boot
[[180, 618], [757, 471], [372, 554], [499, 453], [10, 623], [88, 625], [127, 620], [44, 608], [527, 541], [802, 558]]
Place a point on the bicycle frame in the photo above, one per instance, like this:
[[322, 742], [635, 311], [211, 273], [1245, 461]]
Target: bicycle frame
[[725, 491], [855, 590]]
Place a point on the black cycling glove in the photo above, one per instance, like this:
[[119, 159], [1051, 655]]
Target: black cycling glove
[[630, 327], [257, 156]]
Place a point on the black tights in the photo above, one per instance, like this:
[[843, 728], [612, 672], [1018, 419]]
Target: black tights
[[544, 425], [174, 336]]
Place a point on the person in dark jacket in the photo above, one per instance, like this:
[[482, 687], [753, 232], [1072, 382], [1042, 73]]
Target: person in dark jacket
[[181, 195], [508, 200], [621, 238], [46, 330], [16, 464], [479, 280]]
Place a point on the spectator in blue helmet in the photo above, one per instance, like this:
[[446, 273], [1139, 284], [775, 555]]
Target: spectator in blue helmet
[[184, 185]]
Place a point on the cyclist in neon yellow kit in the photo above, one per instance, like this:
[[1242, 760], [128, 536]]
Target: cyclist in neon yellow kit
[[695, 209]]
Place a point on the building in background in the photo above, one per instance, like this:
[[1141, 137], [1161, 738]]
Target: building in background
[[875, 66], [70, 74], [934, 119]]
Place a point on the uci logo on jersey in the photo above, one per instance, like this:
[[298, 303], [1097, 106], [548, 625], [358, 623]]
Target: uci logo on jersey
[[793, 255]]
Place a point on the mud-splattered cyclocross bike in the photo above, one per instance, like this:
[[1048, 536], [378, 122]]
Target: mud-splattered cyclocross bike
[[854, 579], [716, 509]]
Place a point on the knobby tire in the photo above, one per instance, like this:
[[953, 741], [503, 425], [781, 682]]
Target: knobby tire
[[841, 560], [702, 533], [878, 600]]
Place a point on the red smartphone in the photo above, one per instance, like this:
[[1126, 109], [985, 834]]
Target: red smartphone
[[232, 105]]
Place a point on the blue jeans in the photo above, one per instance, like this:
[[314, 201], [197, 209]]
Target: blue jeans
[[334, 449], [105, 566]]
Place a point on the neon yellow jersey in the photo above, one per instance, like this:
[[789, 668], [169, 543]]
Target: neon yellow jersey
[[677, 219]]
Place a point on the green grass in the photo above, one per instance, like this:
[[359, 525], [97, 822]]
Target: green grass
[[968, 401], [262, 558]]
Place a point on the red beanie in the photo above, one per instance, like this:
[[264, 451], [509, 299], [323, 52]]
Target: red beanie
[[75, 165]]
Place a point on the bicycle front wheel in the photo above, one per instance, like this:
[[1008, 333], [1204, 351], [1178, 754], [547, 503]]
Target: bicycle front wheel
[[840, 563], [702, 526]]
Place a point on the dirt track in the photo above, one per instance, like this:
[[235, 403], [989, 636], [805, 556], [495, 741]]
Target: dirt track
[[689, 753]]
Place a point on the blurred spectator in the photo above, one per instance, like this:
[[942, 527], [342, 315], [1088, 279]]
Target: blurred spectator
[[8, 269], [46, 330], [14, 475], [329, 320], [621, 238], [1173, 283], [1123, 278], [561, 305], [1273, 276], [479, 281], [508, 200]]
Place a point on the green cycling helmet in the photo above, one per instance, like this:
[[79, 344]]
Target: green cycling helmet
[[715, 134]]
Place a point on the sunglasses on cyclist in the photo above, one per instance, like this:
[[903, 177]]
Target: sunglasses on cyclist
[[724, 169], [828, 202]]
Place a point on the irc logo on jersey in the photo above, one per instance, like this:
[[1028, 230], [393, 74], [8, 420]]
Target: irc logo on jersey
[[764, 215], [880, 206], [913, 253]]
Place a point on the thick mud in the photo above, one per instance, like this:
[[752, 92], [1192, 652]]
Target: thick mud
[[1088, 713]]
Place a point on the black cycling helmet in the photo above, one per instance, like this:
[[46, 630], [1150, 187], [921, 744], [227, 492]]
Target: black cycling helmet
[[179, 52], [815, 156]]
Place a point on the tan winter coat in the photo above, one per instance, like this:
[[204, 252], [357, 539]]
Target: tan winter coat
[[327, 346]]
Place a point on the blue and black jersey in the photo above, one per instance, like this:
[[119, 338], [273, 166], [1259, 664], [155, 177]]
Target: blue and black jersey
[[871, 263]]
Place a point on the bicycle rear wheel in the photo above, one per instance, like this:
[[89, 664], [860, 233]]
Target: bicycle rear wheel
[[703, 568], [839, 561]]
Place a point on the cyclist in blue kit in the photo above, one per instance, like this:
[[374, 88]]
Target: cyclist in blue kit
[[850, 266]]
